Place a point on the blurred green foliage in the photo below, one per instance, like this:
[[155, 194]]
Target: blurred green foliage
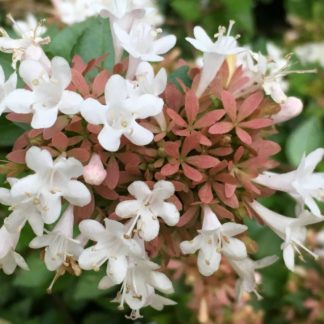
[[77, 300]]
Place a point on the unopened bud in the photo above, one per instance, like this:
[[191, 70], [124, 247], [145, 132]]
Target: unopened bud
[[94, 173]]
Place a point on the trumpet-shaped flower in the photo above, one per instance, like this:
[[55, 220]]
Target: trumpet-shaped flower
[[139, 282], [47, 96], [147, 207], [245, 268], [9, 258], [5, 88], [112, 246], [303, 184], [143, 45], [212, 240], [291, 230], [50, 182], [215, 53], [59, 243], [28, 46], [119, 115]]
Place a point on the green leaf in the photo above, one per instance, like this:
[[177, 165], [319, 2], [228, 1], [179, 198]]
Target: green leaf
[[96, 41], [182, 74], [87, 286], [9, 132], [304, 139], [187, 9]]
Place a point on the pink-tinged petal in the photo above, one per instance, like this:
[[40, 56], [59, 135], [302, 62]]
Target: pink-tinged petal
[[94, 112], [39, 160], [128, 208], [109, 138], [205, 193], [20, 101], [76, 193], [190, 143], [139, 135], [70, 103], [257, 123], [230, 105], [164, 44], [61, 71], [210, 118], [244, 136], [117, 268], [92, 229], [31, 72], [44, 117], [191, 106], [249, 105], [221, 128], [202, 161], [191, 173], [116, 89], [170, 169]]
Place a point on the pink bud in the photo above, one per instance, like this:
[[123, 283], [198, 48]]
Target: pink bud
[[94, 173], [291, 108], [210, 221]]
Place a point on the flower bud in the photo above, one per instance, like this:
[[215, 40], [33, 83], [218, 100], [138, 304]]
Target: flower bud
[[291, 108], [94, 173]]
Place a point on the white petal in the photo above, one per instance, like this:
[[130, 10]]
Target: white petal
[[52, 210], [128, 208], [94, 112], [163, 189], [41, 241], [9, 264], [68, 168], [106, 283], [92, 258], [91, 229], [53, 262], [117, 269], [158, 302], [168, 212], [190, 247], [20, 261], [289, 257], [116, 89], [161, 282], [164, 44], [208, 265], [70, 103], [140, 190], [61, 71], [39, 160], [139, 135], [161, 80], [202, 37], [109, 138], [76, 193], [44, 117], [15, 221], [148, 227], [233, 229], [32, 72], [234, 248], [20, 101]]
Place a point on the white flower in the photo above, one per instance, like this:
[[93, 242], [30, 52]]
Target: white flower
[[26, 47], [5, 88], [147, 207], [213, 239], [47, 96], [303, 184], [143, 45], [291, 230], [73, 11], [245, 268], [311, 53], [111, 245], [9, 258], [59, 242], [94, 172], [50, 182], [215, 53], [119, 115], [139, 282], [29, 27]]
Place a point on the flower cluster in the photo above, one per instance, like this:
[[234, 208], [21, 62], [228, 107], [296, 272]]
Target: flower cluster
[[141, 164]]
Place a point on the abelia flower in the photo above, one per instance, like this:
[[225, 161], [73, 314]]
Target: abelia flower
[[30, 26], [118, 116], [47, 96], [291, 230], [73, 11], [238, 115], [212, 240], [9, 258], [147, 207], [139, 282], [5, 88], [142, 45], [215, 53], [289, 108], [51, 181], [94, 172], [245, 268], [59, 243], [112, 245], [303, 184], [28, 46]]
